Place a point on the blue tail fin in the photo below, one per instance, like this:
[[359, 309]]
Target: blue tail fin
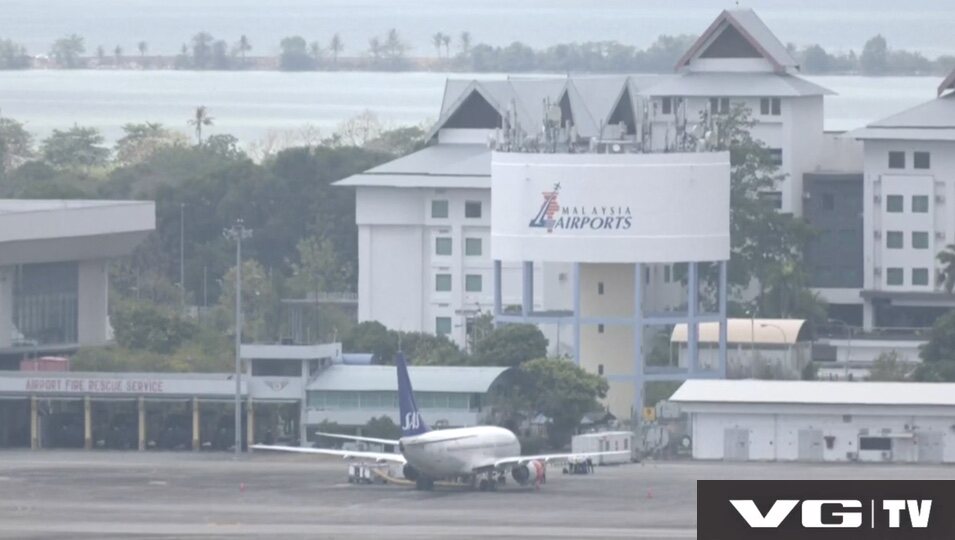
[[411, 421]]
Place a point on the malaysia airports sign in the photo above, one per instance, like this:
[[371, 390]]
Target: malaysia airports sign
[[610, 208]]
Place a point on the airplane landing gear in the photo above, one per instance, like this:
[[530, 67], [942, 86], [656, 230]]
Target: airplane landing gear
[[488, 482], [424, 484]]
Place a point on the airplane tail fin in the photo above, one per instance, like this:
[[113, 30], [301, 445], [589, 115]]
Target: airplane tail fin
[[411, 421]]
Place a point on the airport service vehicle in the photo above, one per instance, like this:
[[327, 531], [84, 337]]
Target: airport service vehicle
[[481, 456]]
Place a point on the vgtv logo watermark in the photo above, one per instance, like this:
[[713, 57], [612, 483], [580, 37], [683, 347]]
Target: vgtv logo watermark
[[825, 510]]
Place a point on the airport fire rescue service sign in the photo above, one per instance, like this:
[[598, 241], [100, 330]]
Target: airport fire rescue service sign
[[825, 510], [143, 385]]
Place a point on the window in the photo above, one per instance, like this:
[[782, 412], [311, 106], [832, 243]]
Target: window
[[894, 276], [875, 443], [893, 240], [919, 204], [600, 369], [600, 328], [896, 160], [439, 209], [919, 240], [472, 247], [646, 275], [473, 283], [45, 302], [921, 160], [442, 246], [442, 282], [719, 105], [920, 276], [772, 198], [442, 326], [666, 274], [600, 287], [472, 209], [828, 201], [775, 156], [895, 203], [770, 107], [667, 105]]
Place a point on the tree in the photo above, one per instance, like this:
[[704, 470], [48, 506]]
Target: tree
[[294, 55], [140, 141], [13, 55], [429, 349], [375, 48], [144, 326], [336, 46], [465, 41], [446, 40], [319, 268], [16, 145], [875, 56], [66, 51], [510, 345], [382, 427], [359, 130], [437, 40], [555, 388], [816, 60], [372, 337], [890, 367], [118, 55], [946, 258], [220, 55], [243, 46], [200, 120], [202, 50], [259, 300], [315, 51], [142, 46], [75, 147], [938, 354]]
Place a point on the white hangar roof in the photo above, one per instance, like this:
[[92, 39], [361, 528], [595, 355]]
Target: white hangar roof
[[815, 393], [755, 331], [475, 380]]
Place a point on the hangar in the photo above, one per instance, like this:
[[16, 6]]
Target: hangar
[[750, 420]]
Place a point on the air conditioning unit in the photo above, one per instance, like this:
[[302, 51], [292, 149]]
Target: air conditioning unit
[[877, 271], [940, 235], [939, 199], [877, 234], [877, 199]]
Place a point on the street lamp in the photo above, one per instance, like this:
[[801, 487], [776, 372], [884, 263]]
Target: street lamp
[[182, 264], [785, 339], [848, 345], [237, 233]]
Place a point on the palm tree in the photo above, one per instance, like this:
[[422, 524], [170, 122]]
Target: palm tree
[[446, 39], [947, 259], [336, 45], [374, 46], [465, 41], [202, 118], [437, 40], [315, 50], [118, 53], [143, 47], [243, 46]]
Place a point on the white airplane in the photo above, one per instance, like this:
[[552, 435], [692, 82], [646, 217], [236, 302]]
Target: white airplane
[[480, 456]]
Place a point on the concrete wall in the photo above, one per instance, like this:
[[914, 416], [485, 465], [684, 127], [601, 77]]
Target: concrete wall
[[93, 326], [774, 431]]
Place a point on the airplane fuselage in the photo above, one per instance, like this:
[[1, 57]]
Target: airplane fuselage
[[458, 452]]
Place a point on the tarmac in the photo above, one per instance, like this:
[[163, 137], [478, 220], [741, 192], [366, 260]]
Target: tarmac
[[101, 494]]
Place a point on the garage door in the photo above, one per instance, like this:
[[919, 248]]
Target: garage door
[[810, 445], [931, 445], [735, 444]]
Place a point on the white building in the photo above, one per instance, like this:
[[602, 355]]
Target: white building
[[820, 421], [908, 192], [424, 219], [54, 258]]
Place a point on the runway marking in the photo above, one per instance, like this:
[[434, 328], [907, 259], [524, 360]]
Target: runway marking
[[158, 483]]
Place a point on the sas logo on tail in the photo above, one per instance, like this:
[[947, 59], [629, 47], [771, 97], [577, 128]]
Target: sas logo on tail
[[412, 421]]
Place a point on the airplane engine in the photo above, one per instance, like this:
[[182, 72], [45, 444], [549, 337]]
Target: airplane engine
[[410, 472], [532, 471]]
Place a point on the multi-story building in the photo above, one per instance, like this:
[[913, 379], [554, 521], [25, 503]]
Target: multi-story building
[[908, 192], [424, 219]]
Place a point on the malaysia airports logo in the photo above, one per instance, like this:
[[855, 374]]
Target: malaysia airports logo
[[825, 510], [553, 216]]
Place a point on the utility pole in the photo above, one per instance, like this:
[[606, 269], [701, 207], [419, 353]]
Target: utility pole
[[182, 264], [237, 233]]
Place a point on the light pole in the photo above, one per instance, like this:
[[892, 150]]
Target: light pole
[[785, 339], [848, 345], [238, 232], [182, 264]]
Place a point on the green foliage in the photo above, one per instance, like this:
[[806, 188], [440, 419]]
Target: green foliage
[[381, 428], [554, 388], [428, 349], [319, 269], [657, 391], [890, 367], [510, 345], [66, 51], [372, 337], [875, 56], [16, 145], [938, 355], [946, 259], [140, 141], [13, 55], [295, 56], [259, 302], [77, 147], [420, 348], [143, 325]]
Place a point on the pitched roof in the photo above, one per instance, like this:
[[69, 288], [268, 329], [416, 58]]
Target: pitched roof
[[734, 84], [815, 393], [948, 83], [931, 121], [752, 29], [423, 378], [437, 166], [757, 331]]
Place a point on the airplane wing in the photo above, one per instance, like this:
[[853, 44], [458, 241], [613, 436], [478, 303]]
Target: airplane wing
[[357, 438], [344, 454], [552, 458]]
